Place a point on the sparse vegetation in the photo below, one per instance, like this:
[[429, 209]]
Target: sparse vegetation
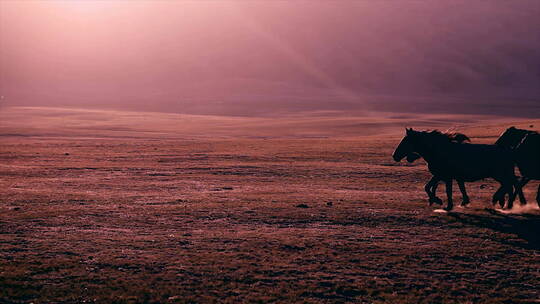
[[124, 220]]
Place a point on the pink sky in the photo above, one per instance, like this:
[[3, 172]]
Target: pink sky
[[166, 55]]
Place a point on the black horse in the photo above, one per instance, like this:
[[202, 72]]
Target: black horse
[[431, 186], [463, 162], [526, 147]]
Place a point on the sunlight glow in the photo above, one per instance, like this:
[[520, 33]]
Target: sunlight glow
[[84, 6]]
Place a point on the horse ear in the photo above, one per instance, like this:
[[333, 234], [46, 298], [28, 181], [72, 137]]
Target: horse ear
[[409, 130]]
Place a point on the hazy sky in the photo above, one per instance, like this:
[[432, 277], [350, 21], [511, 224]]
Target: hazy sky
[[177, 55]]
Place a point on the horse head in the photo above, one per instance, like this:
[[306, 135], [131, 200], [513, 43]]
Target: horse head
[[417, 142], [405, 147]]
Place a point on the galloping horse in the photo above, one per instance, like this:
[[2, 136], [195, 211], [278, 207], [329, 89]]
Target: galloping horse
[[431, 186], [463, 162], [526, 147]]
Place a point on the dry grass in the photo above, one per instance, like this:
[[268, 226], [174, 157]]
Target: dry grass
[[147, 220]]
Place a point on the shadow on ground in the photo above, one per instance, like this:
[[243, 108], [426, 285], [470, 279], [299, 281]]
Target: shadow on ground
[[524, 226]]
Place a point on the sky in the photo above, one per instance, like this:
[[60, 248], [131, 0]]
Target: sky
[[249, 57]]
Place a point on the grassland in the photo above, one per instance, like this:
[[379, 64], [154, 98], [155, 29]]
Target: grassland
[[126, 207]]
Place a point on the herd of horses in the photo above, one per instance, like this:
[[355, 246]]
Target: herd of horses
[[451, 156]]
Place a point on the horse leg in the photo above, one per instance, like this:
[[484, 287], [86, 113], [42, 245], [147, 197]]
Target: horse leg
[[450, 205], [538, 196], [466, 200], [519, 190], [509, 188], [431, 189], [497, 197], [518, 186], [434, 199]]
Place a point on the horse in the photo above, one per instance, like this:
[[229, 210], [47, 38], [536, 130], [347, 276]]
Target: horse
[[463, 162], [526, 147], [511, 139], [431, 186]]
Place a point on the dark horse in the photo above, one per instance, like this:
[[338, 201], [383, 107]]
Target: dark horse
[[526, 147], [463, 162], [431, 186]]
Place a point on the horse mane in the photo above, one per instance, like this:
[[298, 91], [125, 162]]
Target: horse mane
[[532, 135], [452, 137], [458, 137]]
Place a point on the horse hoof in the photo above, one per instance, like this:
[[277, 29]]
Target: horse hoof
[[465, 203]]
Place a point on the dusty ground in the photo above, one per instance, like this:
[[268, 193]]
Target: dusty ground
[[128, 219]]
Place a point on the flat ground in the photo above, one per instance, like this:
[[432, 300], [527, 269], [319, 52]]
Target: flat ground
[[111, 212]]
